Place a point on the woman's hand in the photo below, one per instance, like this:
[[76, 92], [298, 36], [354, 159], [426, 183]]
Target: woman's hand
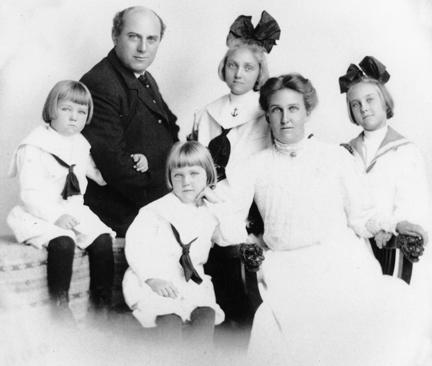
[[66, 221], [382, 238], [408, 228], [163, 288], [207, 194], [141, 163]]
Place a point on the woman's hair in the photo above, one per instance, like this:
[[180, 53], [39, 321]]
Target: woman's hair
[[383, 93], [71, 90], [294, 82], [259, 54], [190, 153]]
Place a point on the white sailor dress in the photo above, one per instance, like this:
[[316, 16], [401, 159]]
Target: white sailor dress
[[42, 179], [397, 183], [152, 251]]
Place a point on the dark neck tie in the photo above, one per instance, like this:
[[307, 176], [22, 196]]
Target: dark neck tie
[[71, 187], [220, 150], [185, 260], [144, 80]]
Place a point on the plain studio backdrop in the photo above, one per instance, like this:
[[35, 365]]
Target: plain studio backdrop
[[44, 41]]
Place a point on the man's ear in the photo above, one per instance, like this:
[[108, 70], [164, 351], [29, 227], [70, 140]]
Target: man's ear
[[114, 39]]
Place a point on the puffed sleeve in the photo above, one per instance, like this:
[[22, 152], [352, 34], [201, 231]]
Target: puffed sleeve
[[35, 188], [238, 194], [412, 199], [231, 227], [142, 249], [358, 204]]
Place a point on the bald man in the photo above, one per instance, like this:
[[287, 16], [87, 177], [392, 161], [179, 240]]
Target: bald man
[[130, 117]]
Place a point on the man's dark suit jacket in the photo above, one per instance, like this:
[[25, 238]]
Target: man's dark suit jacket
[[128, 118]]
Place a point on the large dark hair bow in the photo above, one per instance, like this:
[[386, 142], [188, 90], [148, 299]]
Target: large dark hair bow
[[369, 67], [265, 34]]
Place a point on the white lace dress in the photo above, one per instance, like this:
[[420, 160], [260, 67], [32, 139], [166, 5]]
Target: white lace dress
[[325, 301]]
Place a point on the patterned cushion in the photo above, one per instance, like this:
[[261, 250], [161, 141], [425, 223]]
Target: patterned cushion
[[23, 272]]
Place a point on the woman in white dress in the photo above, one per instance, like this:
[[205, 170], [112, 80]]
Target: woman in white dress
[[325, 302], [233, 127], [393, 168]]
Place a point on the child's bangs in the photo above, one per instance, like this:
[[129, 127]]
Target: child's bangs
[[190, 153], [187, 158], [76, 94]]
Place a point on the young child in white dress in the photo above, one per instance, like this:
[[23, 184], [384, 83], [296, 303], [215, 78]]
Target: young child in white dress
[[52, 163], [168, 243]]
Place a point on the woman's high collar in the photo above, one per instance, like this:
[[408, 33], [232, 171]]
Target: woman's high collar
[[290, 149]]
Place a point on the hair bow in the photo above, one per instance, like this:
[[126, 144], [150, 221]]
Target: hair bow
[[368, 67], [265, 34]]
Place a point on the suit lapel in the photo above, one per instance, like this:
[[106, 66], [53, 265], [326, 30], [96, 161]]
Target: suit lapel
[[154, 102], [132, 83]]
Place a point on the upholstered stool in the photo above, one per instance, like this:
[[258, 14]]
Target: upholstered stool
[[23, 274]]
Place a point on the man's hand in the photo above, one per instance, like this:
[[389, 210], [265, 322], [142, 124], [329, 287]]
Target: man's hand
[[140, 162]]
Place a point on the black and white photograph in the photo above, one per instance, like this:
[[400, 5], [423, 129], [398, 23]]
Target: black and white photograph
[[216, 182]]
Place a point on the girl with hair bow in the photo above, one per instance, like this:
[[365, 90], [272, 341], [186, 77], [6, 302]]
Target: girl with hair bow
[[234, 128], [393, 168], [325, 301]]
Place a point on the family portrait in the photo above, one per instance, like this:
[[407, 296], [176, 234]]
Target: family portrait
[[198, 182]]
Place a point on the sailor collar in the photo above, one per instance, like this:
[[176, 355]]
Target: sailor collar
[[47, 139], [392, 141], [169, 207], [231, 111]]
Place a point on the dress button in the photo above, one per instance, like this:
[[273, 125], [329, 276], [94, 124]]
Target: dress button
[[159, 121], [147, 86], [154, 101]]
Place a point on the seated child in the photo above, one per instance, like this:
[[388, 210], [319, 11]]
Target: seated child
[[394, 172], [52, 164], [168, 243]]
